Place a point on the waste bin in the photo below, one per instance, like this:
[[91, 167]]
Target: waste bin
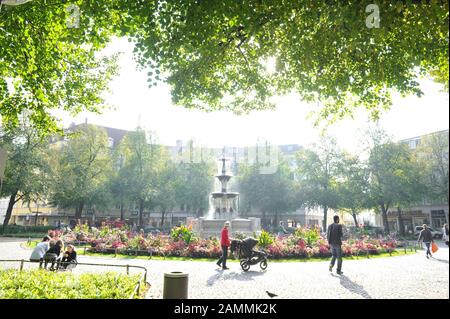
[[175, 285]]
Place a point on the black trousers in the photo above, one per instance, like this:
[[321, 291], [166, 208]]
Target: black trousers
[[336, 253], [223, 259]]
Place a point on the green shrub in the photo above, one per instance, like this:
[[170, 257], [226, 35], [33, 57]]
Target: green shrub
[[15, 229], [265, 239], [183, 233], [42, 284], [309, 235]]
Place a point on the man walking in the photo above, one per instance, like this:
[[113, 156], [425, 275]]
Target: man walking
[[334, 237], [427, 237], [225, 243]]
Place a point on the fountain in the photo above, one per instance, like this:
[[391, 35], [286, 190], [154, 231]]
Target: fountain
[[224, 205]]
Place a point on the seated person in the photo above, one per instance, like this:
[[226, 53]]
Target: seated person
[[53, 254], [69, 259], [39, 251], [281, 229]]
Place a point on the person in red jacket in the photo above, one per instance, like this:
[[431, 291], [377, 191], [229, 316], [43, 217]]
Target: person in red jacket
[[225, 243]]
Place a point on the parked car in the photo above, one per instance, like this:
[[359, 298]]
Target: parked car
[[435, 233]]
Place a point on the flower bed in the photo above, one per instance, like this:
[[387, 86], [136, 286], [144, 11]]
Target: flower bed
[[304, 243]]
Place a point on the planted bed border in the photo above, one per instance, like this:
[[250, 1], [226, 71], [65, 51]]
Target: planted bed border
[[137, 287]]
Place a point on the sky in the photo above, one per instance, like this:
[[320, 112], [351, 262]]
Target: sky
[[137, 105]]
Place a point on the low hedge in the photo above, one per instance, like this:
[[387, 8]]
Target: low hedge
[[15, 229], [41, 284]]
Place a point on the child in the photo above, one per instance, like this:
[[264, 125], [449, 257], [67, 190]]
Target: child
[[69, 259], [53, 253]]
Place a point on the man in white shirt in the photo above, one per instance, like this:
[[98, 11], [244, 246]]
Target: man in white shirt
[[39, 251]]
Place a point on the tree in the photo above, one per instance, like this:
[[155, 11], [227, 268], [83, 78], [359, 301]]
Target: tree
[[353, 186], [318, 171], [411, 186], [167, 180], [118, 182], [51, 65], [271, 194], [393, 177], [214, 54], [27, 171], [82, 170], [432, 152], [143, 164], [194, 184]]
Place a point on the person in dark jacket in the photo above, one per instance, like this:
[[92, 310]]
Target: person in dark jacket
[[69, 259], [225, 243], [334, 237], [53, 254], [427, 237]]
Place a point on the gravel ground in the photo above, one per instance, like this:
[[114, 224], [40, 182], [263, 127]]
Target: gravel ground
[[405, 277]]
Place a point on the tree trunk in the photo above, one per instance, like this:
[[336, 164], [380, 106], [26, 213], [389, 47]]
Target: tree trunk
[[354, 218], [121, 210], [325, 212], [12, 201], [263, 221], [400, 222], [385, 219], [276, 222], [163, 214], [141, 213], [79, 211]]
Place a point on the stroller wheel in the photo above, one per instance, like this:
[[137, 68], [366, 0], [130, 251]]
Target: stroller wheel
[[245, 265], [263, 264]]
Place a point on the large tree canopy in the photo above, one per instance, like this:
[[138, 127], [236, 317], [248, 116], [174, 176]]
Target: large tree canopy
[[45, 64], [214, 54]]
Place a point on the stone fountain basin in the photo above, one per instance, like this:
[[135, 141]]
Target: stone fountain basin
[[226, 195]]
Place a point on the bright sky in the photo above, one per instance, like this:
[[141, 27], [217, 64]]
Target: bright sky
[[152, 109]]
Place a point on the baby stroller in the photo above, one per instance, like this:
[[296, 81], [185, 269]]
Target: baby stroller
[[248, 255]]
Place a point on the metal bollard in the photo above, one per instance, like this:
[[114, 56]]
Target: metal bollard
[[21, 265], [175, 285], [128, 269]]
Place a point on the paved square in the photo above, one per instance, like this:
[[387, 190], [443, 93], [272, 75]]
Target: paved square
[[407, 276]]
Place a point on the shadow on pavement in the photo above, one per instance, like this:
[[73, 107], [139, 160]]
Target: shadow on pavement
[[233, 275], [352, 286], [440, 260]]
